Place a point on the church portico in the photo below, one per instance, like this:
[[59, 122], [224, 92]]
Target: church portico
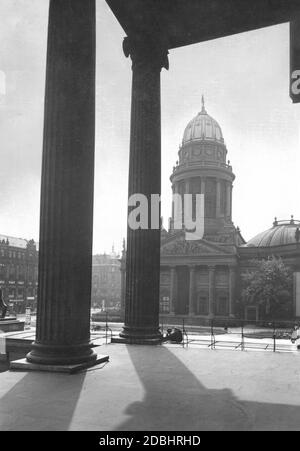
[[198, 290]]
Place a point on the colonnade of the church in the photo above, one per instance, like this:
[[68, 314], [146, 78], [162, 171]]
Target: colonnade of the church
[[210, 287], [187, 189]]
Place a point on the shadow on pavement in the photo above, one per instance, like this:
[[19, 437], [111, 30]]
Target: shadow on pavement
[[41, 396], [176, 400]]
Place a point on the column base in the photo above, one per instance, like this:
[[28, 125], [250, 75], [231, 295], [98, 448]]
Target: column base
[[24, 365], [42, 354], [142, 336]]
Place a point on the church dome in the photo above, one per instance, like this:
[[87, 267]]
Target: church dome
[[282, 233], [203, 127]]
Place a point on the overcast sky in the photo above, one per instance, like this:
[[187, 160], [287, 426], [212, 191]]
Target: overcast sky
[[245, 82]]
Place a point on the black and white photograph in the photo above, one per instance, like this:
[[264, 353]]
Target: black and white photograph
[[149, 218]]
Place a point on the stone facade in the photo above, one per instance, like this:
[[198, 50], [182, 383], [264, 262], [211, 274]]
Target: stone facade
[[198, 278], [18, 273], [106, 281]]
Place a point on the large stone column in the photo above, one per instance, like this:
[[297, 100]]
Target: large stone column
[[211, 290], [172, 289], [143, 246], [232, 278], [66, 221], [192, 290]]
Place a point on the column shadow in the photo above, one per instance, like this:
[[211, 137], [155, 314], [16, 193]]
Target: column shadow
[[176, 400], [50, 398]]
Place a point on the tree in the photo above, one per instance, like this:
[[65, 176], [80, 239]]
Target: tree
[[270, 286]]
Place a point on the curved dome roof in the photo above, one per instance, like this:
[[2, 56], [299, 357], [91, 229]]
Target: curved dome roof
[[203, 127], [282, 233]]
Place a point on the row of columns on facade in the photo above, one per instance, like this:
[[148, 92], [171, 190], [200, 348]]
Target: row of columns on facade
[[211, 289], [228, 210]]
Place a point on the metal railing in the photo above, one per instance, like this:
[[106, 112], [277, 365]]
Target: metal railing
[[103, 331], [218, 333], [246, 335]]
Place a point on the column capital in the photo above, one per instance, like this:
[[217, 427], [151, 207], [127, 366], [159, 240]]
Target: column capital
[[146, 51], [211, 268]]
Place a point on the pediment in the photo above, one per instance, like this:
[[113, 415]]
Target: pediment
[[180, 246]]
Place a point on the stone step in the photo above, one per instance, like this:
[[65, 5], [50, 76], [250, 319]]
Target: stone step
[[11, 325]]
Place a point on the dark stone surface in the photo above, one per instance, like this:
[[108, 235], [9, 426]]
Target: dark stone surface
[[143, 246], [66, 224]]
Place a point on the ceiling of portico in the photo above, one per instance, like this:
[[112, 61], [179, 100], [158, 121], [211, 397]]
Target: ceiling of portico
[[187, 22]]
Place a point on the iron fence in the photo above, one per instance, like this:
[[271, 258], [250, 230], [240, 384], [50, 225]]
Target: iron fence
[[218, 333]]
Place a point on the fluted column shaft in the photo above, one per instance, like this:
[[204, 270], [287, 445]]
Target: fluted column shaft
[[191, 291], [143, 246], [66, 218], [211, 291]]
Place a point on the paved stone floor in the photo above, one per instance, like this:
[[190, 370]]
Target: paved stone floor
[[159, 388]]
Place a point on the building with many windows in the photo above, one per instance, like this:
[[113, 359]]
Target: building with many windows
[[18, 273], [106, 281], [19, 276]]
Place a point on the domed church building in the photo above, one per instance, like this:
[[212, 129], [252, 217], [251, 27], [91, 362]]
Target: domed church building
[[201, 278]]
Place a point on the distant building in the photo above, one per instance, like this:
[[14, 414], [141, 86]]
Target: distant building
[[202, 278], [106, 281], [18, 272], [19, 276]]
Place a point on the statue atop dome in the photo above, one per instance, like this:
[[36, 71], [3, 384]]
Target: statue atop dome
[[203, 111]]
